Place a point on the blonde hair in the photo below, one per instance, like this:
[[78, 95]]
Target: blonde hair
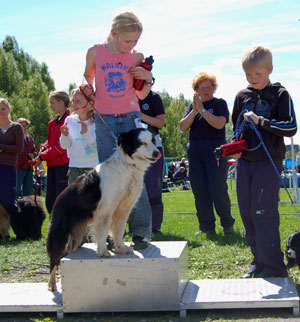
[[23, 120], [90, 110], [125, 22], [203, 77], [4, 101], [61, 96], [257, 56]]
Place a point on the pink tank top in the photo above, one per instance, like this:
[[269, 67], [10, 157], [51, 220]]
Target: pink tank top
[[114, 84]]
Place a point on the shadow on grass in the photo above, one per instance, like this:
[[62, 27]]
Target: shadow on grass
[[230, 239], [172, 237]]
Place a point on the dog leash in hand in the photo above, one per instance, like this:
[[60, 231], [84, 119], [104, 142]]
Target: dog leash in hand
[[237, 133], [88, 92]]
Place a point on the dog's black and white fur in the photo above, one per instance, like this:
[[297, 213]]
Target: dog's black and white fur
[[292, 251], [100, 201]]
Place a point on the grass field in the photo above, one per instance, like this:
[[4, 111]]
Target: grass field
[[210, 257]]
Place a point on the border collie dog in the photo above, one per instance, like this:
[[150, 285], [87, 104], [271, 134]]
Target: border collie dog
[[292, 251], [100, 201]]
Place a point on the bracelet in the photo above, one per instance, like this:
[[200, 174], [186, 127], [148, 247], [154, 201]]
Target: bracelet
[[150, 83]]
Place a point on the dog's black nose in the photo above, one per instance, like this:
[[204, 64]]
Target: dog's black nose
[[155, 154]]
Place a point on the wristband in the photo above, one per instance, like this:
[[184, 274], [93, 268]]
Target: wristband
[[260, 120], [150, 83]]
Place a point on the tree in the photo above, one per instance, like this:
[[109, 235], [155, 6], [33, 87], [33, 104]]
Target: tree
[[26, 84], [71, 87], [174, 141], [39, 112], [48, 81]]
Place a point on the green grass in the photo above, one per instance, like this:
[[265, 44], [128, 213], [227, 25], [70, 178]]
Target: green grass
[[210, 257]]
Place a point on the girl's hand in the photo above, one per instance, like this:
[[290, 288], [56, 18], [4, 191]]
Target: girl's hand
[[64, 129], [141, 73], [38, 161], [197, 103], [83, 127]]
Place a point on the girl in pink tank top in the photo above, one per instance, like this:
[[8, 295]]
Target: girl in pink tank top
[[113, 65]]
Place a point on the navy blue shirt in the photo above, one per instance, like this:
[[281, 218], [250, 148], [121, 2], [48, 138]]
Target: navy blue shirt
[[200, 129], [152, 105]]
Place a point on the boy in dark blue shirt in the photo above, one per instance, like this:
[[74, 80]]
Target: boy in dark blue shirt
[[271, 109]]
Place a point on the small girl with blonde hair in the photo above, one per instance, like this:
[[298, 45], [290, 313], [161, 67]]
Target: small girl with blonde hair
[[78, 133], [113, 65]]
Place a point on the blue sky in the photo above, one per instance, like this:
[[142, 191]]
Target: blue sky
[[184, 37]]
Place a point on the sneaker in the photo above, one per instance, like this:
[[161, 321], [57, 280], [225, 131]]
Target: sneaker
[[249, 274], [156, 231], [209, 232], [229, 230], [139, 242], [253, 272]]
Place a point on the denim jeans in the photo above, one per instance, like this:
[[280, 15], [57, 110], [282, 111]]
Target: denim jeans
[[24, 182], [140, 217]]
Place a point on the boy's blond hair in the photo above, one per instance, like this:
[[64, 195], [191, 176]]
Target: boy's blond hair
[[257, 56]]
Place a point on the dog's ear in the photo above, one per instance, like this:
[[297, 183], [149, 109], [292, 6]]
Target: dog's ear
[[294, 240], [129, 141]]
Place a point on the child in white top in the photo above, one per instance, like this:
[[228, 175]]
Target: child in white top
[[78, 134]]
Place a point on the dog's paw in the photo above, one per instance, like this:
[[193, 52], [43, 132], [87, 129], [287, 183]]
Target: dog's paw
[[124, 250], [104, 253]]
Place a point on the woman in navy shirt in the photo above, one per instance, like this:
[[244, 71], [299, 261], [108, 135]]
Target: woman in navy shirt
[[206, 117]]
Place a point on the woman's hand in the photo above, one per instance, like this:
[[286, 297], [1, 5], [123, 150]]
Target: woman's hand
[[197, 103], [64, 129]]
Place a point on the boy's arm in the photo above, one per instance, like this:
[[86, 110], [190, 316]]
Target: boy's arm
[[285, 123]]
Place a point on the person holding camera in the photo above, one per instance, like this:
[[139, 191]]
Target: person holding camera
[[206, 117]]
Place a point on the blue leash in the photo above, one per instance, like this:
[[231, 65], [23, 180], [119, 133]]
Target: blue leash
[[239, 129]]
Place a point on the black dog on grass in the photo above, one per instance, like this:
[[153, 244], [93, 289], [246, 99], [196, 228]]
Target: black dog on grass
[[29, 219], [292, 251]]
